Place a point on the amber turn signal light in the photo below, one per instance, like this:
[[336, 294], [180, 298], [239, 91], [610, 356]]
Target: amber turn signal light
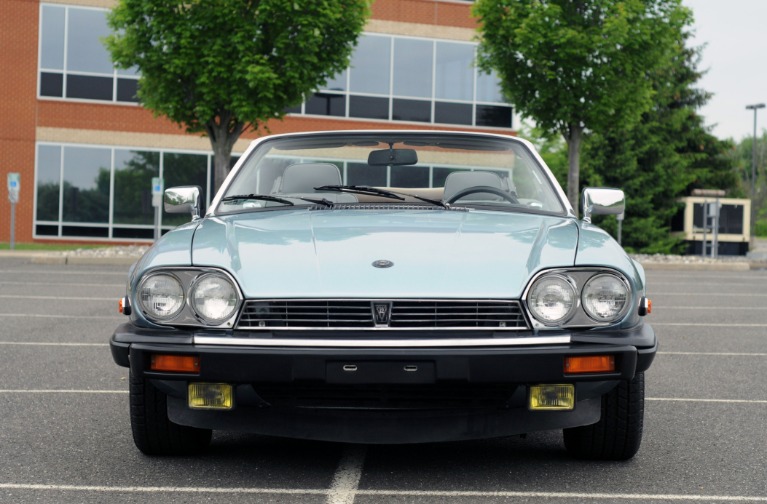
[[175, 363], [590, 364]]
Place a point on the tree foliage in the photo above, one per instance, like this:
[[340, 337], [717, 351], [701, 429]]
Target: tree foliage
[[577, 65], [661, 158], [221, 67]]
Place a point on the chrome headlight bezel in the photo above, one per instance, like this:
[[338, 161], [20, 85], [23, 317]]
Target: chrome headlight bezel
[[548, 285], [142, 296], [189, 314], [592, 312], [579, 278]]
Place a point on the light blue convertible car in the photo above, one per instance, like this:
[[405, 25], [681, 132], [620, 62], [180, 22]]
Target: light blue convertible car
[[387, 287]]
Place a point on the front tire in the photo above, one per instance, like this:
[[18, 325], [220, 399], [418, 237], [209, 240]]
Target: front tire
[[153, 432], [618, 433]]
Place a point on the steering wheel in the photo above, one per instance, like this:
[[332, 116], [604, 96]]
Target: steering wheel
[[483, 189]]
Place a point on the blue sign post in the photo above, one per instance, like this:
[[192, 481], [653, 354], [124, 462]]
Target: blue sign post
[[14, 185], [157, 185]]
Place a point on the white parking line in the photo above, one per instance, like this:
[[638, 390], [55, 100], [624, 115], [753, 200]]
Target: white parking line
[[43, 343], [58, 391], [58, 298], [388, 493], [347, 476], [707, 308], [49, 284], [79, 317], [716, 354], [60, 272], [721, 401], [706, 294], [701, 324]]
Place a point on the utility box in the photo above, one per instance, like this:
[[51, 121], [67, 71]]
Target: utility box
[[712, 225]]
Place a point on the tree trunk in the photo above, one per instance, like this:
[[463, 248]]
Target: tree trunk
[[573, 138], [223, 135]]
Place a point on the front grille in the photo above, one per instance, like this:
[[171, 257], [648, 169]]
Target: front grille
[[398, 314]]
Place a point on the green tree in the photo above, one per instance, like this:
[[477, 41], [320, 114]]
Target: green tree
[[661, 158], [221, 67], [573, 65]]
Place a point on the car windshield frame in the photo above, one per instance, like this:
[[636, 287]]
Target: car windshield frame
[[349, 157]]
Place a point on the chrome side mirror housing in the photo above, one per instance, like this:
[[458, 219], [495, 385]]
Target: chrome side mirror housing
[[183, 199], [602, 201]]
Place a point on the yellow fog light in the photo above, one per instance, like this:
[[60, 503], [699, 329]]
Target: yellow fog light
[[211, 396], [552, 397]]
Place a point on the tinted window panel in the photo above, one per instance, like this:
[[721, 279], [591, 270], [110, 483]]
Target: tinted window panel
[[46, 230], [138, 234], [455, 71], [85, 231], [413, 67], [410, 176], [90, 88], [184, 169], [494, 115], [370, 65], [411, 110], [329, 104], [86, 184], [48, 182], [133, 186], [52, 37], [126, 90], [362, 174], [85, 52], [452, 113], [439, 175], [369, 107], [51, 84]]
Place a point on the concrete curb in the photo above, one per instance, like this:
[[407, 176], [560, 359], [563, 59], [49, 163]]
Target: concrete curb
[[35, 257]]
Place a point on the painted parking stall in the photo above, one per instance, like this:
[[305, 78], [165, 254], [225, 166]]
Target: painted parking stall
[[65, 434]]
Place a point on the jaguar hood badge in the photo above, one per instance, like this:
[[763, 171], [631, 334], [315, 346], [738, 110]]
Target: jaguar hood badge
[[382, 263]]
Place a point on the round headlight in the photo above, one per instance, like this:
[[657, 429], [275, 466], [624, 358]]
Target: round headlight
[[161, 296], [214, 298], [552, 299], [605, 297]]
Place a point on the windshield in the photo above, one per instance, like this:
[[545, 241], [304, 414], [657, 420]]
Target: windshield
[[358, 170]]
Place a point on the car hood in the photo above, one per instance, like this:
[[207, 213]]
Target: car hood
[[435, 254]]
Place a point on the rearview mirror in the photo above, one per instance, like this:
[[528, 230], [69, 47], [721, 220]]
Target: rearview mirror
[[602, 201], [394, 157], [183, 199]]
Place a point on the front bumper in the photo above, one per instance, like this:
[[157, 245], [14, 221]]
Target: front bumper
[[393, 394]]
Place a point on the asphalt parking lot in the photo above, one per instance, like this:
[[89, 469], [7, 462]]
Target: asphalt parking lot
[[65, 432]]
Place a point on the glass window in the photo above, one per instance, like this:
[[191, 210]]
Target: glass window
[[86, 184], [494, 116], [369, 107], [89, 87], [52, 39], [48, 182], [455, 71], [337, 83], [184, 169], [370, 65], [329, 104], [452, 113], [488, 88], [133, 186], [409, 176], [413, 67], [85, 52], [127, 90], [411, 110], [51, 84]]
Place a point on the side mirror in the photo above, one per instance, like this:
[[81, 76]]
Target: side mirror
[[183, 199], [602, 201]]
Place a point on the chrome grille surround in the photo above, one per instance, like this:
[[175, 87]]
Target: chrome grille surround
[[403, 314]]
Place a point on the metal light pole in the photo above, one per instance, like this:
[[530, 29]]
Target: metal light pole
[[753, 107]]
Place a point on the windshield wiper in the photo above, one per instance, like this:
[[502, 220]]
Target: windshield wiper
[[426, 200], [324, 201], [360, 189], [264, 197]]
